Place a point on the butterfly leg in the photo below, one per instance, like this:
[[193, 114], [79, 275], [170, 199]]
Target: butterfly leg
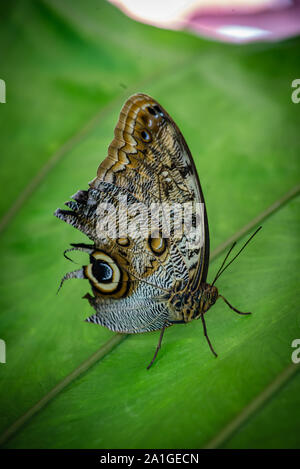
[[158, 346], [207, 338], [232, 307]]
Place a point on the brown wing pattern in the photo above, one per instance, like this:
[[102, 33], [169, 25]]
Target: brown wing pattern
[[150, 159], [148, 162]]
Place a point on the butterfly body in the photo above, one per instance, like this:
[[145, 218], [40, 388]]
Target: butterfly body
[[144, 276], [190, 305]]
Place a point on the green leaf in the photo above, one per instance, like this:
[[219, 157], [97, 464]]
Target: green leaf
[[68, 383]]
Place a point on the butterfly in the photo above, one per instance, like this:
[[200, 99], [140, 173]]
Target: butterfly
[[142, 277]]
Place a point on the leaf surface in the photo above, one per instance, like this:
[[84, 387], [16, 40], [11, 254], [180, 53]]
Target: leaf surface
[[233, 105]]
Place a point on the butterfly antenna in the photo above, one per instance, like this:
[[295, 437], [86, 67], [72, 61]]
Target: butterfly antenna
[[226, 257], [221, 270]]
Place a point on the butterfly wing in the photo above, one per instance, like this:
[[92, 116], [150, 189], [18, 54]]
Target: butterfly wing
[[150, 158], [148, 163]]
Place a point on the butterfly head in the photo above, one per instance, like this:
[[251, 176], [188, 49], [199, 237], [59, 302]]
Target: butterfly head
[[208, 297]]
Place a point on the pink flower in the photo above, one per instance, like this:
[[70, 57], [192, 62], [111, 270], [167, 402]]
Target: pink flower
[[237, 21]]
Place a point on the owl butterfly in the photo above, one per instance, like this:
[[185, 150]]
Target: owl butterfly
[[144, 279]]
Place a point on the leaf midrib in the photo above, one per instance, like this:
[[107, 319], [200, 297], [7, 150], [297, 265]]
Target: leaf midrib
[[253, 407]]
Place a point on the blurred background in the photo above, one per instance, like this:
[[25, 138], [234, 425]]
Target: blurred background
[[228, 74]]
